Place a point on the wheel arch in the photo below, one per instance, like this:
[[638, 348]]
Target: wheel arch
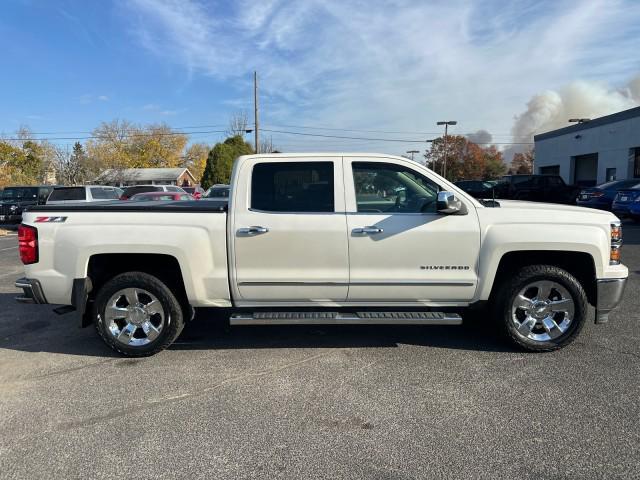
[[579, 264], [104, 266]]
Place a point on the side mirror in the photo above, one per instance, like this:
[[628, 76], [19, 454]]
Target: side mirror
[[448, 204]]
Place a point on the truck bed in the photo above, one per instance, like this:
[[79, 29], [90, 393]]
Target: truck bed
[[191, 206]]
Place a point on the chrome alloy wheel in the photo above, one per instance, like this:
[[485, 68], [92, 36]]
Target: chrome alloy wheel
[[542, 311], [134, 317]]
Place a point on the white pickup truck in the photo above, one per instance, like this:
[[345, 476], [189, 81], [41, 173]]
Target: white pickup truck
[[324, 239]]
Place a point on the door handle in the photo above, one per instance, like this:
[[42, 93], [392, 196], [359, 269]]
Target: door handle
[[370, 230], [253, 230]]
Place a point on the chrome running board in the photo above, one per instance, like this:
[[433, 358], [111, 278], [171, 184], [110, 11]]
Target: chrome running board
[[355, 318]]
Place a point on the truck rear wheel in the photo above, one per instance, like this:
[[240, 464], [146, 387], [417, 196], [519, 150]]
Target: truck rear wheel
[[137, 315], [542, 308]]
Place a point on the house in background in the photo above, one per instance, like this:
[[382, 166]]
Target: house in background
[[600, 150], [127, 177]]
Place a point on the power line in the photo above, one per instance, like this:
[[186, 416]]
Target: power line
[[397, 132], [108, 137], [400, 140], [283, 132]]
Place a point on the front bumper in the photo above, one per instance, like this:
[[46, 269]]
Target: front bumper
[[610, 292], [31, 291]]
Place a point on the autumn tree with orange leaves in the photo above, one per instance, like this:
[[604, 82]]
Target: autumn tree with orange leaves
[[465, 160]]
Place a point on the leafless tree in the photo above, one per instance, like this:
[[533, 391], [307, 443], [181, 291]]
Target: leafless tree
[[238, 124], [266, 146]]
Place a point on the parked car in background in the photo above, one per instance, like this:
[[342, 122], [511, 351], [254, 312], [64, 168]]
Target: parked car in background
[[624, 200], [601, 196], [131, 191], [536, 188], [161, 196], [634, 211], [15, 199], [478, 188], [218, 192], [195, 192], [86, 193]]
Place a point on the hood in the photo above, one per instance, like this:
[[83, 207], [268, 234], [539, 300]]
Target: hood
[[551, 207]]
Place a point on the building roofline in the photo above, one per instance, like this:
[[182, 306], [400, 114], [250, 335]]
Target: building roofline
[[596, 122]]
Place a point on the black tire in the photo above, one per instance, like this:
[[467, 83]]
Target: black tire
[[173, 314], [510, 288]]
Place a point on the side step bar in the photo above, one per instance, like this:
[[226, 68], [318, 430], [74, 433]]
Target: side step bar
[[355, 318]]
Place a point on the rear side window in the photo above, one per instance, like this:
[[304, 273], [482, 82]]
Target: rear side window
[[70, 193], [98, 193], [293, 187]]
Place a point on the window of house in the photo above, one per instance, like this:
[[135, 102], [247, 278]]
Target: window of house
[[293, 187], [386, 187]]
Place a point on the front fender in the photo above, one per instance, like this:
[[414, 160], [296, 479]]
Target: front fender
[[501, 239]]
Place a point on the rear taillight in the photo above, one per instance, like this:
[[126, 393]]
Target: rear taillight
[[28, 244], [597, 194]]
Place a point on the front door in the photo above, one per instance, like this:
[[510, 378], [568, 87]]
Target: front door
[[400, 249], [289, 232]]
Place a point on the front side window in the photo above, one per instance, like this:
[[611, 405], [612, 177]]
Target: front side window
[[293, 187], [386, 187], [555, 182]]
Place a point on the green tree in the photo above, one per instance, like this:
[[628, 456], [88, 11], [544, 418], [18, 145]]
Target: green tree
[[221, 158]]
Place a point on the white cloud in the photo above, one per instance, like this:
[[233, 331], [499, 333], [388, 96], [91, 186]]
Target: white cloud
[[400, 65], [87, 98]]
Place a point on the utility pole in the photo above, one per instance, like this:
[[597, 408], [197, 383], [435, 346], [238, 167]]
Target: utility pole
[[446, 150], [255, 109], [412, 152]]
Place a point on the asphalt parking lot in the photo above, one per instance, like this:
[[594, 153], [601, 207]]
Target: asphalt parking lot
[[309, 402]]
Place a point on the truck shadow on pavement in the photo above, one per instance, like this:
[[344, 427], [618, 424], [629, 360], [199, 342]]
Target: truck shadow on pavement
[[35, 328]]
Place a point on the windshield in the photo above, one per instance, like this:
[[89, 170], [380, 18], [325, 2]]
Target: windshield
[[19, 193]]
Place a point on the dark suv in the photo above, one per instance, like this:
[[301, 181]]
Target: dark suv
[[536, 188], [15, 199]]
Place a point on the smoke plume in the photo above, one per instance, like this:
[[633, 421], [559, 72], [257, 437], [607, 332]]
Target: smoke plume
[[481, 137], [551, 109]]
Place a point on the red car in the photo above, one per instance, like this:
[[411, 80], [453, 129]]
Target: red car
[[195, 192], [161, 196]]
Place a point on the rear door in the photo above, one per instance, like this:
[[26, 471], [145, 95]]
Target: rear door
[[288, 231]]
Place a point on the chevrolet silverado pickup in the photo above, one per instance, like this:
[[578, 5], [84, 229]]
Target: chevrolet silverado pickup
[[324, 239]]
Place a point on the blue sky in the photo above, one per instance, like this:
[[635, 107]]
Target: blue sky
[[510, 68]]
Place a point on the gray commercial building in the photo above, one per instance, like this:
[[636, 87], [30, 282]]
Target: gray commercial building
[[593, 152]]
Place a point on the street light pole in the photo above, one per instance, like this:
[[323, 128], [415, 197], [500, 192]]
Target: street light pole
[[446, 124], [412, 152]]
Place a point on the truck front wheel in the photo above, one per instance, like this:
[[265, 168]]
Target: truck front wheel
[[542, 308], [137, 315]]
